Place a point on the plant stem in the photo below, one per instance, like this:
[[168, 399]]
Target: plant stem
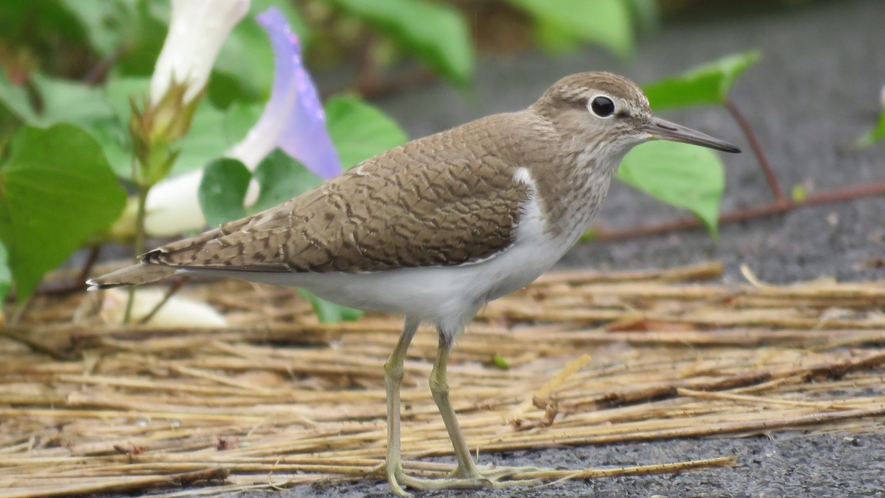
[[143, 190], [20, 310], [826, 197], [94, 252], [178, 284], [757, 151]]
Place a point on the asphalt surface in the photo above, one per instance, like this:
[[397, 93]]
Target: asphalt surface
[[814, 92], [785, 465]]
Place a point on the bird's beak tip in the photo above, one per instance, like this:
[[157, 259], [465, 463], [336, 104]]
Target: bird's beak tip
[[664, 130]]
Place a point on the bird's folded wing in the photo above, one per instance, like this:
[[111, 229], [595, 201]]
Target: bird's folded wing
[[377, 216]]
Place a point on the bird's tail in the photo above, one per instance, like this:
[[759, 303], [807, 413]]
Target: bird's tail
[[132, 275]]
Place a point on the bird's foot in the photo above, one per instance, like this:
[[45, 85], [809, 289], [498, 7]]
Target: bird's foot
[[475, 478], [393, 471]]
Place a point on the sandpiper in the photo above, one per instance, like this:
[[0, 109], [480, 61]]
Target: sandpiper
[[438, 227]]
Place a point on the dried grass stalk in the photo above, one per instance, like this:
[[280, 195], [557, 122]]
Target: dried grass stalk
[[589, 358]]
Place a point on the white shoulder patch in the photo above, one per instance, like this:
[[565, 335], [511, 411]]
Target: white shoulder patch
[[532, 223], [523, 176]]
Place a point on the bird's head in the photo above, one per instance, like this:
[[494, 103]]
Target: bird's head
[[606, 112]]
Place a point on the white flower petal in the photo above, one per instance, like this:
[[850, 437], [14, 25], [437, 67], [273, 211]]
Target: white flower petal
[[177, 312], [196, 33]]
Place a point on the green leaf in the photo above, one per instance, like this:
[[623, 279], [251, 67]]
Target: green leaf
[[5, 275], [56, 191], [359, 130], [239, 118], [330, 312], [206, 140], [61, 101], [107, 22], [225, 181], [702, 85], [682, 175], [15, 99], [280, 178], [43, 25], [500, 362], [605, 22], [70, 102], [223, 190], [115, 139], [553, 38], [137, 28], [435, 33], [645, 14], [95, 110], [119, 91], [874, 135]]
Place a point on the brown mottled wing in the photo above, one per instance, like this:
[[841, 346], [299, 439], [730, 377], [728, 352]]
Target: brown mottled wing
[[438, 201]]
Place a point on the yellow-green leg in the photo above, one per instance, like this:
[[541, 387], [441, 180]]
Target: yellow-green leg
[[467, 475], [393, 378]]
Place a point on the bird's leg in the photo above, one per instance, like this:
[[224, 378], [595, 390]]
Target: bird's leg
[[393, 378], [467, 475], [439, 387]]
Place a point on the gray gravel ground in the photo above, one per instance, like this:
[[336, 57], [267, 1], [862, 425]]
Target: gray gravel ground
[[785, 465], [815, 91]]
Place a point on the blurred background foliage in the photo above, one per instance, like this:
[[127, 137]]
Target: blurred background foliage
[[85, 39]]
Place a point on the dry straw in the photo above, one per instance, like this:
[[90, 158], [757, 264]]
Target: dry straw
[[278, 399]]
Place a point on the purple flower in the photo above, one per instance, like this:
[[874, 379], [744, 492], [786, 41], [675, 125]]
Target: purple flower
[[293, 118]]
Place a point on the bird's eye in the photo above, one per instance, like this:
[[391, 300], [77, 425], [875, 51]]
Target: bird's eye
[[602, 106]]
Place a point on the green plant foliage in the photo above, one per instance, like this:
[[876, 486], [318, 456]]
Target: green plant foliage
[[359, 130], [134, 28], [211, 132], [62, 101], [681, 175], [500, 362], [45, 29], [702, 85], [240, 117], [114, 137], [435, 33], [102, 113], [562, 24], [644, 14], [330, 312], [105, 115], [206, 139], [223, 191], [874, 135], [5, 275], [225, 181], [244, 69], [56, 191], [281, 178]]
